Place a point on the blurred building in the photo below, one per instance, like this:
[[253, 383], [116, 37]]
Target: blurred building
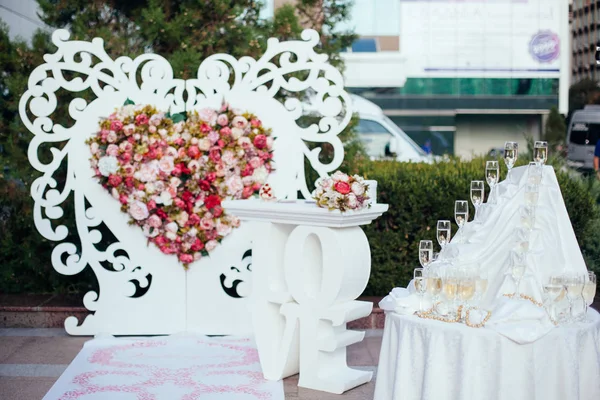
[[585, 31], [466, 75]]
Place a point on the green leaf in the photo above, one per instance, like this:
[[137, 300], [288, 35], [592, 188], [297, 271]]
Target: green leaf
[[128, 102], [179, 117]]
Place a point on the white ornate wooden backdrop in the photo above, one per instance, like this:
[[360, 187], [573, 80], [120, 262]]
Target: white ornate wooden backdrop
[[143, 291]]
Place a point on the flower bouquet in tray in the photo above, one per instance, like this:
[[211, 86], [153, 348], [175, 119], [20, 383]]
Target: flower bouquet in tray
[[342, 192]]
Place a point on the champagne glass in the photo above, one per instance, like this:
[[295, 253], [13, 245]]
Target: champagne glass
[[527, 217], [461, 214], [425, 252], [481, 283], [589, 290], [517, 270], [434, 285], [532, 195], [534, 174], [511, 153], [466, 287], [540, 152], [492, 173], [444, 232], [420, 285], [574, 284], [553, 289], [477, 194], [450, 290]]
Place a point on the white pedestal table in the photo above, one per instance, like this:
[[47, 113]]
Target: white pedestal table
[[309, 266], [424, 359]]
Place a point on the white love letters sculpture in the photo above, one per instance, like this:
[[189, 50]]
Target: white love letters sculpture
[[141, 290]]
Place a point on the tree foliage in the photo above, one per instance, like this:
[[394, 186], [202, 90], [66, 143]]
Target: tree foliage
[[556, 129], [184, 32]]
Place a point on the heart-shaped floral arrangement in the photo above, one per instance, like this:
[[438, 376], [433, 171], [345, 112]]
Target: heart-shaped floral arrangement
[[171, 172]]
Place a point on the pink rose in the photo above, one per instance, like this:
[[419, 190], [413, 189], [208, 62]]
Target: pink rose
[[193, 219], [129, 129], [228, 157], [94, 147], [207, 224], [211, 245], [123, 199], [155, 221], [226, 131], [194, 152], [155, 119], [186, 258], [245, 142], [260, 141], [248, 170], [255, 123], [256, 162], [116, 126], [247, 192], [239, 122], [217, 211], [151, 205], [152, 129], [212, 234], [114, 180], [352, 201], [208, 115], [179, 203], [222, 119], [141, 119], [112, 150], [111, 137], [270, 141], [213, 137], [215, 154], [138, 210], [342, 187]]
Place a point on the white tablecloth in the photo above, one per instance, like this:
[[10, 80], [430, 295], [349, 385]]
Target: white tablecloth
[[423, 359]]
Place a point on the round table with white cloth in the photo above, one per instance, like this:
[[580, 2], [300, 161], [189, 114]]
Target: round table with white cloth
[[424, 359]]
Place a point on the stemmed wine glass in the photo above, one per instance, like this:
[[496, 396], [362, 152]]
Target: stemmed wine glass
[[574, 283], [517, 270], [461, 214], [434, 285], [534, 173], [511, 154], [420, 285], [552, 291], [532, 195], [466, 286], [425, 252], [589, 290], [450, 290], [540, 152], [492, 173], [444, 231], [477, 193]]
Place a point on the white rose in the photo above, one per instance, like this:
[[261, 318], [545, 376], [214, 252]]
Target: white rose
[[171, 235], [166, 164], [182, 218], [339, 176], [358, 188], [211, 245], [150, 231], [138, 210], [165, 198], [115, 193], [148, 171], [234, 184], [223, 229], [351, 201], [171, 227], [260, 174], [208, 115], [150, 187], [228, 157], [237, 133], [108, 165], [204, 144]]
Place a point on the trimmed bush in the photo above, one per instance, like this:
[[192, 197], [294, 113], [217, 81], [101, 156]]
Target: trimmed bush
[[421, 194]]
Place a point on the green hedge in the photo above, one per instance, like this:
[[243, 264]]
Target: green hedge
[[421, 194], [418, 195]]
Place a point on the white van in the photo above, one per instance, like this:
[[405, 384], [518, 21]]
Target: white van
[[382, 138], [583, 133]]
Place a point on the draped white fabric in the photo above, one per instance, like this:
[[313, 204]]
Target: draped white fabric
[[423, 359]]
